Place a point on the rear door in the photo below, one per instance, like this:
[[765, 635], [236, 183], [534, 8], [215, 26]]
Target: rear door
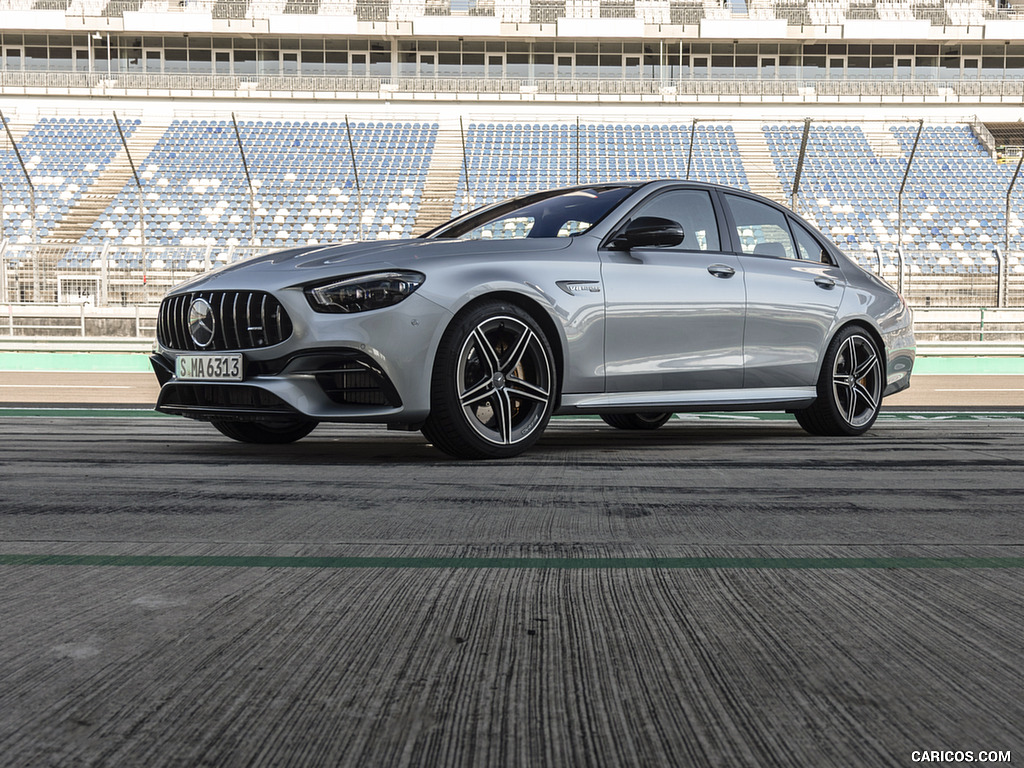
[[793, 294]]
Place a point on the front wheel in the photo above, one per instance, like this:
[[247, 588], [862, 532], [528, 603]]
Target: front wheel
[[635, 420], [494, 384], [266, 432], [849, 388]]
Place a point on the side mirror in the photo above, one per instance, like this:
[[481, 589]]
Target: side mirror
[[649, 232]]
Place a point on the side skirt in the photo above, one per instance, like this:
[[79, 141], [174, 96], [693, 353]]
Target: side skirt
[[769, 399]]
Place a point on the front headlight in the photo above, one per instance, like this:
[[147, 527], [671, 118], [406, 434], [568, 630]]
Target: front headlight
[[363, 293]]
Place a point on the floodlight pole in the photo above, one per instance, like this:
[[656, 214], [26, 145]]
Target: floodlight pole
[[248, 179], [465, 161], [903, 185], [138, 186], [4, 287], [1009, 192], [800, 164], [1003, 259], [355, 172], [577, 149], [689, 157], [1000, 277], [32, 198]]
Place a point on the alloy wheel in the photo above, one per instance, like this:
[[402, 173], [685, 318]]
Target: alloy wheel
[[504, 380], [857, 380]]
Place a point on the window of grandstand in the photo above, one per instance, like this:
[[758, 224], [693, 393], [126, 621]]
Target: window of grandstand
[[508, 59]]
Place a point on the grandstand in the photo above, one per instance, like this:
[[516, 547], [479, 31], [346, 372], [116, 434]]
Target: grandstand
[[148, 141]]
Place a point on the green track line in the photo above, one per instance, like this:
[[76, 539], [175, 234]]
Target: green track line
[[76, 362], [81, 413], [967, 366], [520, 563]]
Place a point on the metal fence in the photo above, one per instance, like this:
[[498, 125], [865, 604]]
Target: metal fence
[[549, 11], [993, 279], [122, 276], [138, 272]]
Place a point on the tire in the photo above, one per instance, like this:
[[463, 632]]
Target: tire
[[651, 420], [850, 387], [494, 384], [267, 432]]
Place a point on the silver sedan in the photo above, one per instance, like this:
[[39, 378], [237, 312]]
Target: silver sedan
[[629, 301]]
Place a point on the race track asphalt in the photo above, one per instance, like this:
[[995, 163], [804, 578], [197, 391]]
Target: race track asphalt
[[726, 591]]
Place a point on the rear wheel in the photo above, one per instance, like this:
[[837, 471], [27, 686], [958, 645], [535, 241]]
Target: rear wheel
[[849, 388], [494, 384], [268, 432], [635, 420]]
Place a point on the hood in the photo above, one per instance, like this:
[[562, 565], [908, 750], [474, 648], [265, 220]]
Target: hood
[[315, 261]]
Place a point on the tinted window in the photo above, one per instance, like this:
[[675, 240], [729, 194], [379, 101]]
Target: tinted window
[[807, 245], [692, 209], [550, 214], [761, 229]]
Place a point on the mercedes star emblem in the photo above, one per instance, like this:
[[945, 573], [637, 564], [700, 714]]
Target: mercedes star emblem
[[200, 322]]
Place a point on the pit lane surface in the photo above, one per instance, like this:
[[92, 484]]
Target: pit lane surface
[[723, 592]]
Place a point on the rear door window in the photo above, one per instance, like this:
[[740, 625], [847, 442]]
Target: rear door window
[[807, 245], [761, 229]]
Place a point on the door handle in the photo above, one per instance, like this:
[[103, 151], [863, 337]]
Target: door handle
[[825, 282], [721, 270]]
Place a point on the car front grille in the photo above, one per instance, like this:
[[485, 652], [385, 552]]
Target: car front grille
[[241, 320]]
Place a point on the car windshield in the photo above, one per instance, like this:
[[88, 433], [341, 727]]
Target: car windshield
[[559, 213]]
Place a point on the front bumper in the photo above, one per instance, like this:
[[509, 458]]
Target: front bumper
[[372, 367]]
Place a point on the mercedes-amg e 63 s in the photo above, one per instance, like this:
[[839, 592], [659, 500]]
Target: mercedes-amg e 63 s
[[628, 301]]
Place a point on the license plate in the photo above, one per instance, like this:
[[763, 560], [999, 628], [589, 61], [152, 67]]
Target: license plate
[[210, 367]]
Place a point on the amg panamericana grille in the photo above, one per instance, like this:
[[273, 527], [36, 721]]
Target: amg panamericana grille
[[241, 320]]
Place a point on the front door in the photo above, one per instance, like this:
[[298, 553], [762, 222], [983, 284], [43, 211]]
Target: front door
[[222, 62], [495, 65], [13, 58], [80, 59], [564, 70], [152, 60], [428, 65], [674, 316], [289, 63]]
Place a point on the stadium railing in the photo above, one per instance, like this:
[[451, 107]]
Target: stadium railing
[[847, 190], [796, 12], [134, 275], [14, 82]]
